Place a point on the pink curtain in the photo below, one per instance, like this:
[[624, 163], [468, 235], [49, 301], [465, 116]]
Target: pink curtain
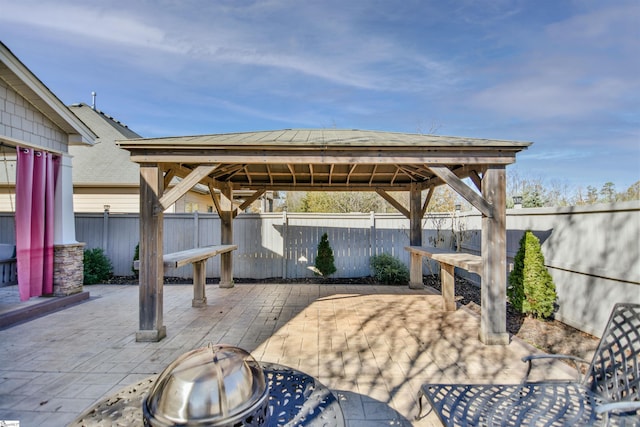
[[35, 189]]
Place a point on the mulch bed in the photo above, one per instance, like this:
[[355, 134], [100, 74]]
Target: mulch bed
[[550, 336]]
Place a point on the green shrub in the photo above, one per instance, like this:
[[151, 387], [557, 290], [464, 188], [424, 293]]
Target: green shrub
[[324, 259], [136, 257], [389, 270], [97, 267], [531, 289]]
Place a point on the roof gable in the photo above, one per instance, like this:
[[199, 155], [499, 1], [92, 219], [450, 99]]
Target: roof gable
[[104, 163], [24, 82]]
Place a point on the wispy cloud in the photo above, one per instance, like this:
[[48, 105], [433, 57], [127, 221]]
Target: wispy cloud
[[83, 22], [296, 41], [577, 68]]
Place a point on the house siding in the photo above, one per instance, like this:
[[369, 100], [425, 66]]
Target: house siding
[[120, 200], [21, 121]]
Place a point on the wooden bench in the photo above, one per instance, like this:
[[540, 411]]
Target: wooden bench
[[448, 261], [198, 257], [608, 395]]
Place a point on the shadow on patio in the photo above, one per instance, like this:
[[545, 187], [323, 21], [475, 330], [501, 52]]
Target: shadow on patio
[[372, 345]]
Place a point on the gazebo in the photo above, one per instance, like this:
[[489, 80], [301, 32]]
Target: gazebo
[[323, 160]]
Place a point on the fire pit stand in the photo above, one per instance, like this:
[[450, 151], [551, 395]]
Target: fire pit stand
[[295, 399]]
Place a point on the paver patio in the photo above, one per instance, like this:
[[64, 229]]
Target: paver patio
[[372, 345]]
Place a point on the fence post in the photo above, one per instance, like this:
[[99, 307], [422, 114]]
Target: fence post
[[105, 228], [372, 233], [285, 220], [372, 238], [196, 231]]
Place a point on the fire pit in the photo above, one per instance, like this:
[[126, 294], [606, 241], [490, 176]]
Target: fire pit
[[218, 386], [211, 386]]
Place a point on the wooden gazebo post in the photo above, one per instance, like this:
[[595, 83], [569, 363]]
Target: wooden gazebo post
[[493, 325], [151, 266], [415, 226], [226, 237]]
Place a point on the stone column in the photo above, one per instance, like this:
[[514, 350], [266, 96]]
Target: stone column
[[68, 269], [68, 258]]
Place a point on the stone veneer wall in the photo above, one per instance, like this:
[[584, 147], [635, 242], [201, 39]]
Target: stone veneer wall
[[68, 269]]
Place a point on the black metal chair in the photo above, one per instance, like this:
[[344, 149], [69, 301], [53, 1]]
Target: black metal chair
[[609, 393]]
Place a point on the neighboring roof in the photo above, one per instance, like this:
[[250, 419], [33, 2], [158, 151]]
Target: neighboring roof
[[324, 159], [104, 163], [24, 82], [100, 122]]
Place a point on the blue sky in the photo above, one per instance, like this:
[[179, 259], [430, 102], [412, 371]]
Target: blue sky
[[563, 74]]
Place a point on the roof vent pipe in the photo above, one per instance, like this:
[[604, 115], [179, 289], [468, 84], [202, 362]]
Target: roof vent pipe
[[93, 100]]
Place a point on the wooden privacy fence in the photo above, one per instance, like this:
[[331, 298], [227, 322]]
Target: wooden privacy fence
[[269, 245]]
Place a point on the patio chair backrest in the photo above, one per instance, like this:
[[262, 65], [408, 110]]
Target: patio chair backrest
[[614, 372]]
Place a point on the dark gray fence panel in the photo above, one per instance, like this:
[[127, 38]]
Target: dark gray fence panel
[[116, 234], [90, 230], [7, 228], [121, 250]]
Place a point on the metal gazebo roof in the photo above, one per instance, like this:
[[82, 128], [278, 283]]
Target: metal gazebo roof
[[324, 159]]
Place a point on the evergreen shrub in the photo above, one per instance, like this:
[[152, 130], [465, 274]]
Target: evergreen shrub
[[531, 289], [324, 259], [97, 267], [389, 270], [136, 257]]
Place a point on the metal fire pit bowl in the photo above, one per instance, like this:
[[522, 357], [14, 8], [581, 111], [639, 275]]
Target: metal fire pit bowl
[[193, 383], [217, 385]]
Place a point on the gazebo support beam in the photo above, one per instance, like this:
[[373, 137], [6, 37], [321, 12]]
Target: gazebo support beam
[[427, 199], [393, 202], [415, 215], [226, 236], [415, 229], [248, 201], [463, 189], [184, 186], [493, 316], [151, 267]]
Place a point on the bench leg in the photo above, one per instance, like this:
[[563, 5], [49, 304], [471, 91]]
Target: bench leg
[[415, 272], [199, 280], [226, 270], [448, 283]]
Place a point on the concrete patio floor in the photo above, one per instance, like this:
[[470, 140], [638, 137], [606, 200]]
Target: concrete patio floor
[[373, 346]]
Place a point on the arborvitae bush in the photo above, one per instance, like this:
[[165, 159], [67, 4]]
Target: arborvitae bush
[[531, 289], [136, 257], [389, 270], [97, 267], [324, 259]]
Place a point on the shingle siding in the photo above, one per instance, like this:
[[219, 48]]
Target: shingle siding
[[21, 121]]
